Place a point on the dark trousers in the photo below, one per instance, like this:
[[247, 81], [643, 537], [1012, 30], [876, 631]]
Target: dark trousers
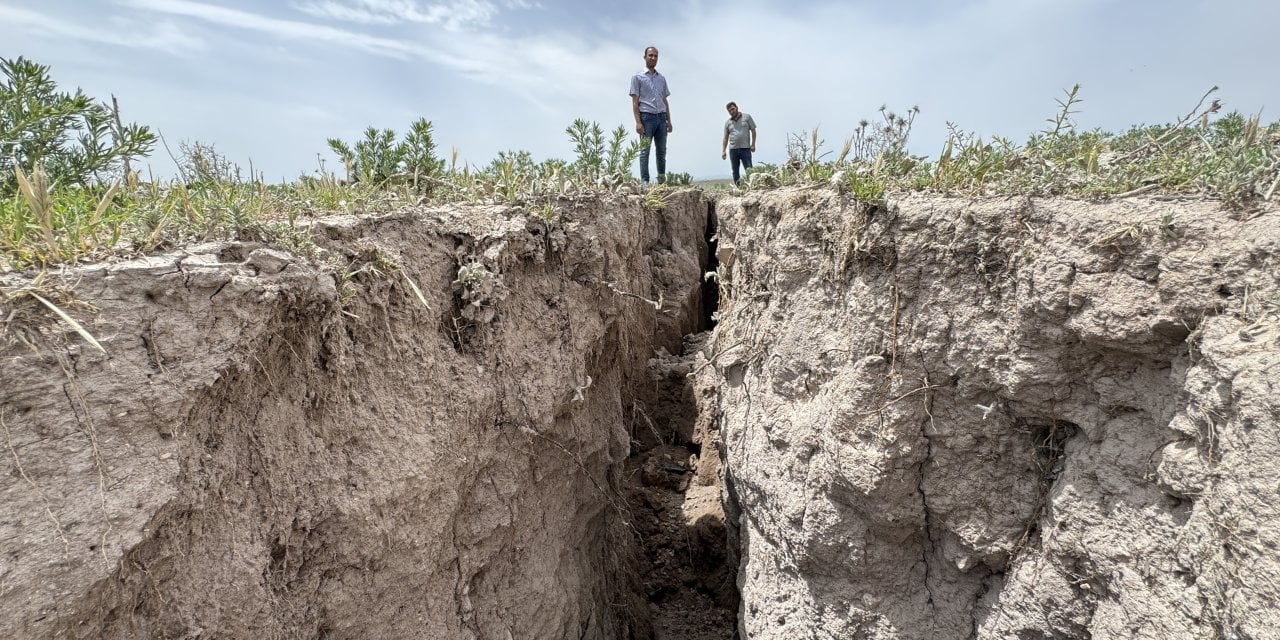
[[739, 156], [655, 129]]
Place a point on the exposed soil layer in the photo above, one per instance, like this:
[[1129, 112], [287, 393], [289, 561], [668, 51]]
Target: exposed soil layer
[[271, 449], [1001, 418], [938, 419]]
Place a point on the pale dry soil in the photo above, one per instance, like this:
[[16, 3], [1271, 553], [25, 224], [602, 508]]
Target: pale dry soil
[[938, 418], [273, 447], [1001, 417]]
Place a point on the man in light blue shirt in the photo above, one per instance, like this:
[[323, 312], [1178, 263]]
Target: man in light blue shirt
[[653, 113], [739, 139]]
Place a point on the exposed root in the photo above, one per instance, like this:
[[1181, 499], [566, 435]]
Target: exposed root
[[17, 461]]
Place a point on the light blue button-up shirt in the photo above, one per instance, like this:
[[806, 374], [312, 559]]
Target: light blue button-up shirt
[[652, 88]]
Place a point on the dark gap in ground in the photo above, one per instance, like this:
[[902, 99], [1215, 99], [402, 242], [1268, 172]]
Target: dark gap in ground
[[687, 574], [710, 287], [673, 492]]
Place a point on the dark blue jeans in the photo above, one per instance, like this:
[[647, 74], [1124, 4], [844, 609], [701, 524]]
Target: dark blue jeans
[[739, 156], [655, 128]]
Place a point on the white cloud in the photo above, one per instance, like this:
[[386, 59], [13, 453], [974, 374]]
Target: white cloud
[[551, 69], [165, 36], [453, 15], [288, 29]]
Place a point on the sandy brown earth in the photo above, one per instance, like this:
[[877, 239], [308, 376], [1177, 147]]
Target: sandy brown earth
[[268, 448]]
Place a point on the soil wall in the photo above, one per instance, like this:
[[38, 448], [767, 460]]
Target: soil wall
[[938, 419], [1000, 418], [270, 449]]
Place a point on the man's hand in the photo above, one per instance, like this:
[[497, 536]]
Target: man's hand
[[723, 155], [753, 148], [640, 128], [668, 126]]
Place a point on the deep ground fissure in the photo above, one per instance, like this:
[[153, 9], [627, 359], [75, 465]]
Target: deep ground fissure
[[673, 491]]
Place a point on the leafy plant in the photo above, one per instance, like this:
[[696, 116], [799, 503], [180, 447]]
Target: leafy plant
[[588, 146], [74, 139], [864, 187], [1061, 122], [418, 153], [593, 159], [378, 159], [42, 225], [679, 178], [622, 154], [479, 290]]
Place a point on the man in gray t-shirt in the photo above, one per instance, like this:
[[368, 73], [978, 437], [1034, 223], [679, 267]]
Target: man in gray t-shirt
[[652, 111], [739, 139]]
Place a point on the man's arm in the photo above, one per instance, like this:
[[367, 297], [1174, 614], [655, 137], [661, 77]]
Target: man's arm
[[635, 110], [724, 144], [667, 105], [753, 139]]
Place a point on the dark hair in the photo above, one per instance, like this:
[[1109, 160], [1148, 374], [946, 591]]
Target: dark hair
[[646, 49], [731, 104]]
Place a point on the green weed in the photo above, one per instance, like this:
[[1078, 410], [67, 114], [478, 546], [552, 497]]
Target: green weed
[[75, 140], [1227, 156], [379, 159]]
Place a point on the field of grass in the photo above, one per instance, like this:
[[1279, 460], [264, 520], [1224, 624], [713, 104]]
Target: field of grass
[[47, 219]]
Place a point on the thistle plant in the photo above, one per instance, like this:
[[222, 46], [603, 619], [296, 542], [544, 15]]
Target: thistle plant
[[1231, 157]]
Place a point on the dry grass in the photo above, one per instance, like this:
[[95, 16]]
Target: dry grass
[[22, 323], [1232, 157]]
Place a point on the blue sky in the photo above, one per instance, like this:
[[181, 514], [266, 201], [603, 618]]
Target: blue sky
[[268, 83]]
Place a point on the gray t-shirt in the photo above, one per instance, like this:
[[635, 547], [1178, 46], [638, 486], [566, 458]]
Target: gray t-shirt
[[740, 131], [652, 88]]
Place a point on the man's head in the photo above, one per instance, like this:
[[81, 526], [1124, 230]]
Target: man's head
[[650, 57], [733, 110]]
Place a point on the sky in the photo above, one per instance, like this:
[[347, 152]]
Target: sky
[[267, 83]]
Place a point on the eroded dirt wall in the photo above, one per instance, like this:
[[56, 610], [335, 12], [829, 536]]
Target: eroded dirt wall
[[1001, 418], [268, 449]]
